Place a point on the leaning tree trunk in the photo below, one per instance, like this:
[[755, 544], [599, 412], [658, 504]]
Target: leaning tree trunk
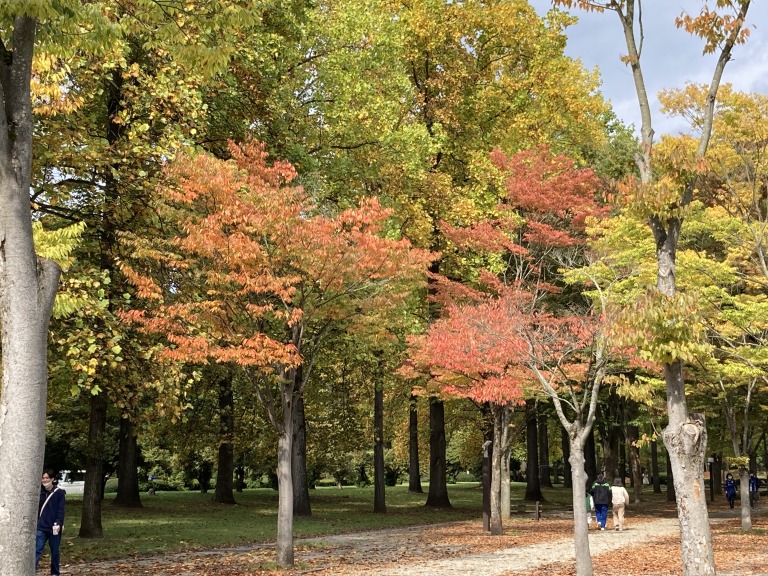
[[532, 485], [127, 468], [438, 484], [90, 518], [414, 471], [224, 490], [27, 290], [379, 501]]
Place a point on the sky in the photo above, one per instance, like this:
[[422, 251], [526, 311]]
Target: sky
[[670, 58]]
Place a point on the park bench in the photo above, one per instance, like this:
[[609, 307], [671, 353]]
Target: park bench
[[523, 507]]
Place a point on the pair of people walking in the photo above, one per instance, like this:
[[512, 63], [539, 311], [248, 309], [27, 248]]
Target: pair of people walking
[[604, 495]]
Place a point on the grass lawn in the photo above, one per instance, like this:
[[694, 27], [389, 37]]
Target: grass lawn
[[175, 521]]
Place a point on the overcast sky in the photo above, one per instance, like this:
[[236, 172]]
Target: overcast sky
[[670, 58]]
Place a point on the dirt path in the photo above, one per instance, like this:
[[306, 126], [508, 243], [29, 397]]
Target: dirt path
[[443, 550], [524, 558]]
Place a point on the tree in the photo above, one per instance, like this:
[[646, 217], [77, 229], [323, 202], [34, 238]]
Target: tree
[[277, 273], [665, 201], [27, 290]]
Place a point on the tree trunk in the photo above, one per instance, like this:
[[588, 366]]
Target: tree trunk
[[27, 290], [580, 529], [634, 460], [414, 470], [532, 484], [655, 467], [544, 474], [438, 483], [302, 505], [224, 490], [127, 468], [566, 446], [746, 509], [285, 496], [590, 458], [506, 443], [90, 520], [379, 501], [670, 481], [496, 527]]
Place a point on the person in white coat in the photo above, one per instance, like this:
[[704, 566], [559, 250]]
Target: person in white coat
[[619, 501]]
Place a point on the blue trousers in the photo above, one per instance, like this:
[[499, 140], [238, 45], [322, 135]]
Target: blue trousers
[[601, 513], [53, 542]]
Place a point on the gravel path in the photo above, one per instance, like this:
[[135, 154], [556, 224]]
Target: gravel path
[[386, 545], [509, 561]]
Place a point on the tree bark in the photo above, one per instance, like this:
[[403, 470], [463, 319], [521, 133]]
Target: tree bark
[[496, 527], [532, 483], [224, 490], [566, 446], [379, 500], [128, 495], [670, 482], [544, 475], [438, 483], [90, 520], [414, 470], [302, 505], [633, 434], [590, 458], [655, 467], [27, 290]]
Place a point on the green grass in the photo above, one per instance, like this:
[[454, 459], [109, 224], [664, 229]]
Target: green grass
[[175, 521]]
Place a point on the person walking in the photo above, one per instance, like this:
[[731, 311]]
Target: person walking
[[50, 520], [754, 490], [730, 489], [619, 501], [601, 495]]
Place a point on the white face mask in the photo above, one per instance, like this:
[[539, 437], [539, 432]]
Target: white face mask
[[48, 484]]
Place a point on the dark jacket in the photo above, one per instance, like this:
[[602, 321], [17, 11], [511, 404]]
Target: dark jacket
[[50, 511], [754, 484], [601, 492]]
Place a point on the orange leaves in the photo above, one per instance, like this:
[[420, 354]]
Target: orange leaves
[[717, 28], [248, 263]]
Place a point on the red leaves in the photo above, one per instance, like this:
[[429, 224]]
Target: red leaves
[[495, 338]]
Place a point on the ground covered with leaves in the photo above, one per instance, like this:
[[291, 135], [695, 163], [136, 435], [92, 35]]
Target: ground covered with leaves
[[642, 553]]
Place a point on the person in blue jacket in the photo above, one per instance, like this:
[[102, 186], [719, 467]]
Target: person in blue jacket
[[730, 489], [50, 519]]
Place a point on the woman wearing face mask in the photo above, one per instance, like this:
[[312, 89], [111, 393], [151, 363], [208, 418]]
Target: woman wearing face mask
[[50, 519]]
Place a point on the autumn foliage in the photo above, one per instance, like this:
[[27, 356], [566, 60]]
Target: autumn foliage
[[247, 258], [489, 336]]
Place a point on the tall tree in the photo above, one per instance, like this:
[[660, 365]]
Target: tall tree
[[278, 274], [27, 290], [685, 436]]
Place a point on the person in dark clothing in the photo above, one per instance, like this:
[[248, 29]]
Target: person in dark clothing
[[754, 490], [50, 520], [730, 489], [601, 495]]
